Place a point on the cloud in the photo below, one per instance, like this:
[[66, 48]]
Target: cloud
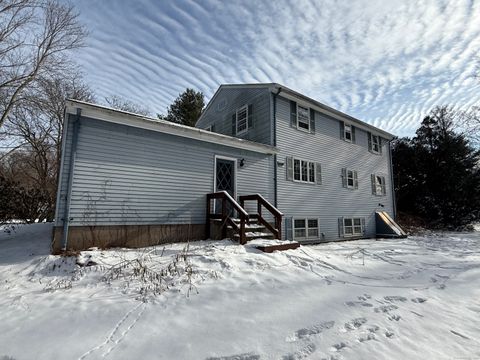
[[385, 62]]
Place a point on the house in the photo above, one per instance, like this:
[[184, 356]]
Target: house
[[262, 160]]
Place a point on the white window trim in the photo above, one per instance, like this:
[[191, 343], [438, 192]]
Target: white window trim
[[306, 228], [345, 125], [308, 171], [309, 120], [353, 178], [246, 120], [378, 144], [221, 157], [353, 234], [209, 128]]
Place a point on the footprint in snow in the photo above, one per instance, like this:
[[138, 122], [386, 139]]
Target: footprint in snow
[[394, 317], [419, 300], [364, 297], [310, 331], [303, 353], [338, 347], [367, 337], [389, 334], [373, 329], [355, 323], [395, 298], [385, 308], [358, 303], [246, 356]]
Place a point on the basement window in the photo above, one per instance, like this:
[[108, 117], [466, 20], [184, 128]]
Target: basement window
[[305, 229], [353, 227]]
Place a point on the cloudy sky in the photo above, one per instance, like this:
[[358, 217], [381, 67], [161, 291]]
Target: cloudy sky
[[385, 62]]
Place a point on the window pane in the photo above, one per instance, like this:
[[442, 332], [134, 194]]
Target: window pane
[[357, 222], [348, 230], [242, 120], [313, 223], [311, 172], [299, 223], [296, 169], [347, 222], [348, 132], [313, 233], [358, 230], [303, 118], [304, 171], [300, 233]]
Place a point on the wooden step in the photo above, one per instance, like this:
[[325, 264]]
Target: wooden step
[[249, 235]]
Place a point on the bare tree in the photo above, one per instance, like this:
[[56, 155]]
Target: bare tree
[[119, 103], [35, 36]]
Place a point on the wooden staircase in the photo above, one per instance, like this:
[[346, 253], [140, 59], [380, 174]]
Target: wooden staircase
[[236, 223]]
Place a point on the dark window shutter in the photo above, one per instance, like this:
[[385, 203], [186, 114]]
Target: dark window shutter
[[380, 145], [288, 228], [340, 227], [363, 225], [353, 135], [234, 124], [342, 130], [369, 141], [212, 128], [355, 179], [384, 186], [289, 167], [318, 173], [374, 189], [312, 121], [344, 177], [293, 113], [250, 116]]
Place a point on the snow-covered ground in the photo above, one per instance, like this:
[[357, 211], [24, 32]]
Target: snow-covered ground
[[415, 298]]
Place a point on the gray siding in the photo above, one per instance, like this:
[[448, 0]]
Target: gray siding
[[225, 104], [126, 175], [330, 200]]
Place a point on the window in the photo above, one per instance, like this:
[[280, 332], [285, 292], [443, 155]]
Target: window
[[242, 119], [378, 185], [353, 226], [210, 128], [303, 118], [347, 133], [350, 178], [375, 144], [303, 171], [304, 229]]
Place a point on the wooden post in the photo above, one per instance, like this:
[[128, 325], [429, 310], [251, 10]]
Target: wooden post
[[224, 217], [259, 209], [242, 230], [207, 218]]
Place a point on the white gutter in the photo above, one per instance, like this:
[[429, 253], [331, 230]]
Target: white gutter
[[166, 127]]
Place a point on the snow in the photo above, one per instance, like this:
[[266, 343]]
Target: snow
[[388, 299]]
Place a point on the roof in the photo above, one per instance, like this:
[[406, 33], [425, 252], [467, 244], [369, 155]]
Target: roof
[[140, 121], [294, 95]]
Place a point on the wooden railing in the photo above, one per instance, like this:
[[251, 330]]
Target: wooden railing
[[262, 202], [225, 217]]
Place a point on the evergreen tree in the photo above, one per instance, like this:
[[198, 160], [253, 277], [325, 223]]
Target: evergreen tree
[[438, 173], [186, 109]]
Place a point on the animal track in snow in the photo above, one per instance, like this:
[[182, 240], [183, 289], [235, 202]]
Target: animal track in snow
[[385, 308], [394, 317], [373, 329], [355, 323], [339, 346], [395, 298], [367, 337], [364, 297], [419, 300], [389, 334], [310, 331], [246, 356], [358, 303], [303, 353]]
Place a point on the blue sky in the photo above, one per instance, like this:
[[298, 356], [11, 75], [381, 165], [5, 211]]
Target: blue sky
[[386, 62]]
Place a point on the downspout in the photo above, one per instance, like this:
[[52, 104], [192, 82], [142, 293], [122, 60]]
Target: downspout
[[275, 181], [394, 201], [73, 155]]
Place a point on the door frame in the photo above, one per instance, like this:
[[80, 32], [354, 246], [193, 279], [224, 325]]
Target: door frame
[[221, 157]]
